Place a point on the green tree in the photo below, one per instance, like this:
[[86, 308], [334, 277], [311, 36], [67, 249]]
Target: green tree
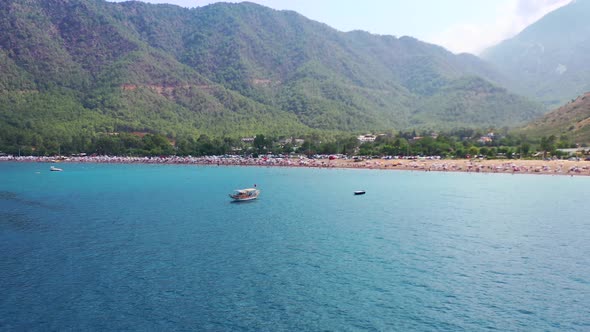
[[260, 143], [548, 145]]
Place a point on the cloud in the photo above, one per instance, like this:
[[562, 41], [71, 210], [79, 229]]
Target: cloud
[[511, 19]]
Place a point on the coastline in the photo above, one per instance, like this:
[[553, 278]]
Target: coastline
[[505, 166], [498, 166]]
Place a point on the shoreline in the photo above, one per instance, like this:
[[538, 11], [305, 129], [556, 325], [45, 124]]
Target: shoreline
[[498, 166]]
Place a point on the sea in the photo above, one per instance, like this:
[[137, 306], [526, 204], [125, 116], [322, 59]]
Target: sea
[[103, 247]]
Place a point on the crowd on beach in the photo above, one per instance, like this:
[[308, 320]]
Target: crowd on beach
[[428, 164]]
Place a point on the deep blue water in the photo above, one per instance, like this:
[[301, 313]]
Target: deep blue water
[[143, 247]]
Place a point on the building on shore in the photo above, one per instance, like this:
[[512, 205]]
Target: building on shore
[[367, 138]]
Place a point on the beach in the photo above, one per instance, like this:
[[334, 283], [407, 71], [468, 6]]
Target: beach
[[547, 167], [510, 166]]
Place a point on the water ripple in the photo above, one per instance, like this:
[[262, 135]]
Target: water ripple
[[160, 248]]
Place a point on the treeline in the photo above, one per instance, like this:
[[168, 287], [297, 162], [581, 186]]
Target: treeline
[[113, 144], [462, 143], [466, 144]]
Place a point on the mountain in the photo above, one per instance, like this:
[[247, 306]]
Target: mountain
[[571, 120], [70, 69], [548, 61]]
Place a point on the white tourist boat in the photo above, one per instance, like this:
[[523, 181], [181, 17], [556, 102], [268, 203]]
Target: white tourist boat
[[55, 169], [248, 194]]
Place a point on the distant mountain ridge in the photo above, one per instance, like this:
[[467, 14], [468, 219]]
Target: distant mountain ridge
[[548, 61], [73, 68]]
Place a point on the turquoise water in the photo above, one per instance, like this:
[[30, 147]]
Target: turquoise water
[[147, 247]]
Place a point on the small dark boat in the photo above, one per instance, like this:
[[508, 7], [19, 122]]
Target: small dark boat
[[359, 192]]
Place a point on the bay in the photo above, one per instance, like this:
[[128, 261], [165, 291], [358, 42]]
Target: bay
[[161, 247]]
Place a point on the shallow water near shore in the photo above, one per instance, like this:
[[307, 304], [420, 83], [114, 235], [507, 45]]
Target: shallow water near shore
[[160, 247]]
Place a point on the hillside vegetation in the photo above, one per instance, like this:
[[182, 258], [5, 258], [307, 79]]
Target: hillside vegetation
[[571, 120], [72, 70]]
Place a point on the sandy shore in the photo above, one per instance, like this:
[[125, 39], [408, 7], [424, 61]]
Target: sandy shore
[[551, 167]]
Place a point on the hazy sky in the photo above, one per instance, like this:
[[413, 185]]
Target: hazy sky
[[458, 25]]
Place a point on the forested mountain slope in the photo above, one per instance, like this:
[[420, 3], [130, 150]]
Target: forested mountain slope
[[72, 69], [571, 120]]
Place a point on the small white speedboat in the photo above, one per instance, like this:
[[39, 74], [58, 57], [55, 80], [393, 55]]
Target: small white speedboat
[[55, 169], [241, 195], [359, 192]]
